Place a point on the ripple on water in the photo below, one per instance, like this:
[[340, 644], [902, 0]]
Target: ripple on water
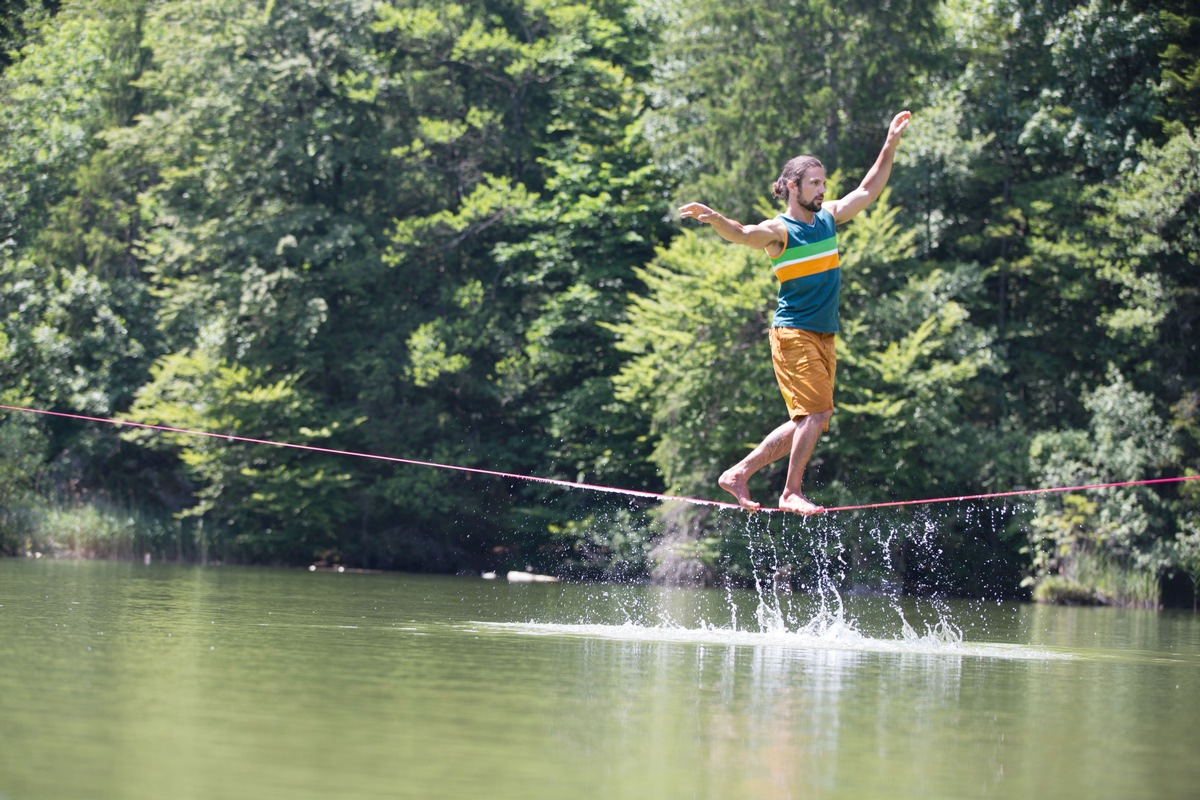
[[831, 638]]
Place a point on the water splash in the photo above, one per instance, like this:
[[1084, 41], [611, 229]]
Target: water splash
[[841, 579], [846, 641], [868, 579]]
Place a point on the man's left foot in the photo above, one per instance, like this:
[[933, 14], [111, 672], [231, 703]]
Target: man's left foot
[[799, 504]]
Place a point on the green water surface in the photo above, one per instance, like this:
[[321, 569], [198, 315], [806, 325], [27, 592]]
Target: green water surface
[[127, 681]]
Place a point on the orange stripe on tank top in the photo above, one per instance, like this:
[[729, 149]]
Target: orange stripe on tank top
[[812, 266]]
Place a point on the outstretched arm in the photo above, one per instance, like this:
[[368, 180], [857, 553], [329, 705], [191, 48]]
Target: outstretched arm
[[876, 179], [769, 235]]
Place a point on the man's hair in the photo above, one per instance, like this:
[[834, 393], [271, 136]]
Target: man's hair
[[793, 170]]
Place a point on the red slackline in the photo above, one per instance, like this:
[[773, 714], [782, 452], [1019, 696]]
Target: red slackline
[[593, 487]]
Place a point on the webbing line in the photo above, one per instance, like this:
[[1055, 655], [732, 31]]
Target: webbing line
[[593, 487]]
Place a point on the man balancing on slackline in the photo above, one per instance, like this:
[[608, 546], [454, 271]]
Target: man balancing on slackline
[[802, 246]]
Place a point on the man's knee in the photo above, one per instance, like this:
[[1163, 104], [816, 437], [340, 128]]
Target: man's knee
[[819, 419]]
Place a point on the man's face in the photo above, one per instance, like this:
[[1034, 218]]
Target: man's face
[[809, 189]]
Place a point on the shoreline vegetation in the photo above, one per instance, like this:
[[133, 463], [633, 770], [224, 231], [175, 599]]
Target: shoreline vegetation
[[115, 532]]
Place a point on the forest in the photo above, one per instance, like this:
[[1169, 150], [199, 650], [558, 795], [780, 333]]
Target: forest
[[447, 232]]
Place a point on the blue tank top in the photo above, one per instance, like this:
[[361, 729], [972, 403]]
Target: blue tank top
[[810, 279]]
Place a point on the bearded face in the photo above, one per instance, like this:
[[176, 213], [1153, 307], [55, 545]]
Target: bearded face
[[810, 189]]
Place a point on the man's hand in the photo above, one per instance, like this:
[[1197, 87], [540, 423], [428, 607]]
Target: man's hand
[[770, 235], [698, 212], [899, 123], [844, 208]]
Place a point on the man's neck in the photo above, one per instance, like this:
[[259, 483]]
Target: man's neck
[[800, 213]]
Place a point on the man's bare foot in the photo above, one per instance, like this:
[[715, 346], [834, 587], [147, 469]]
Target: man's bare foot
[[799, 504], [735, 482]]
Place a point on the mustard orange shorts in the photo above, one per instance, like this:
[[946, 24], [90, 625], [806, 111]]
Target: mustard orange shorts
[[805, 365]]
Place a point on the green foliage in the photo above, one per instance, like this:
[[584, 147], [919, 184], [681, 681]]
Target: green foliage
[[1103, 97], [609, 545], [22, 454], [744, 87], [1180, 58], [1147, 272], [703, 314], [53, 107], [531, 201], [441, 231], [102, 529], [1186, 552], [1125, 441], [909, 354], [73, 301], [935, 170], [264, 503], [1063, 591], [1100, 580], [1156, 210]]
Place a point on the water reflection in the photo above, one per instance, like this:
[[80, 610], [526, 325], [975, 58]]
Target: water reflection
[[758, 717], [315, 686]]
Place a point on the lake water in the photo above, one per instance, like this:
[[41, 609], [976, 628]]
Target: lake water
[[130, 681]]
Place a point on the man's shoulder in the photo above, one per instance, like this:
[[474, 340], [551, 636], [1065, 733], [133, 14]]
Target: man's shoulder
[[777, 226]]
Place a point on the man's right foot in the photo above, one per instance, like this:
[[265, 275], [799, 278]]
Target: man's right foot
[[735, 483]]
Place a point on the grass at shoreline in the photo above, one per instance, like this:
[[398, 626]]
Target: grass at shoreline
[[1097, 580], [102, 529]]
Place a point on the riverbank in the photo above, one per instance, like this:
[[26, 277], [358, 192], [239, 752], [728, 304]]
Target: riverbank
[[104, 530]]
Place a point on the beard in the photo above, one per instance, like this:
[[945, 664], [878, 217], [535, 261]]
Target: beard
[[813, 205]]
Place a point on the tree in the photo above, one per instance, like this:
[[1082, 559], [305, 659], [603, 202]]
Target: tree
[[1141, 420], [1101, 97], [532, 201], [743, 88], [18, 20], [74, 301], [261, 504], [1180, 63], [1098, 541], [321, 226]]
